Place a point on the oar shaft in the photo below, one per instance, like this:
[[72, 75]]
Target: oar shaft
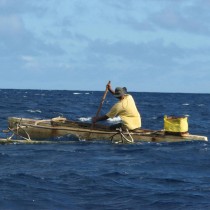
[[102, 100], [101, 104]]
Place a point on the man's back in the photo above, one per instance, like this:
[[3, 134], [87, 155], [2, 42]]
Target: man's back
[[126, 109]]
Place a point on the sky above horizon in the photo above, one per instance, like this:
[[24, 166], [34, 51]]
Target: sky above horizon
[[147, 46]]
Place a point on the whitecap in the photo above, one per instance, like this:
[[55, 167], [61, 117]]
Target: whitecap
[[201, 104], [34, 111], [76, 93], [186, 104], [85, 119], [115, 119], [154, 118]]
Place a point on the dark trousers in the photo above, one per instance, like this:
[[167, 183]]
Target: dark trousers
[[118, 125]]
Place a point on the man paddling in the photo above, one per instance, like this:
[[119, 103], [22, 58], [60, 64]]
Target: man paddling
[[125, 108]]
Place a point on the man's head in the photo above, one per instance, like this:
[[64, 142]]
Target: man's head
[[120, 92]]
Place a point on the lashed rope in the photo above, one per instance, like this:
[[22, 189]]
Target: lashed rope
[[124, 139], [15, 131]]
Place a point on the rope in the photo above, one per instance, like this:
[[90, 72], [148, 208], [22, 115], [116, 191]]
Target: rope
[[124, 139], [15, 131]]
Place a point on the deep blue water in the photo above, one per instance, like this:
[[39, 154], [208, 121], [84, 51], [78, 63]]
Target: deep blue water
[[99, 174]]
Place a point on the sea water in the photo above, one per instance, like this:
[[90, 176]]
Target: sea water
[[99, 174]]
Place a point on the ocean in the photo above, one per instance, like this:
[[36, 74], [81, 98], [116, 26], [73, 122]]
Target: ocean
[[100, 174]]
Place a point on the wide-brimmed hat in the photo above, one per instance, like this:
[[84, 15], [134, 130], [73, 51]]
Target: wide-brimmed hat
[[119, 92]]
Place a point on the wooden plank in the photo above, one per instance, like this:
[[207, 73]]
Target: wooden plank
[[18, 141]]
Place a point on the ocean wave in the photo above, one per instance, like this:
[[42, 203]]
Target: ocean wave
[[2, 154], [115, 119], [34, 111], [88, 119], [154, 118], [77, 93], [85, 119], [39, 94]]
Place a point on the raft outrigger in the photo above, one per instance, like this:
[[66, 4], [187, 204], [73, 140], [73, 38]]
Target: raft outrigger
[[30, 129]]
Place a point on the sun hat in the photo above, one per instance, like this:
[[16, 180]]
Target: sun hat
[[119, 92]]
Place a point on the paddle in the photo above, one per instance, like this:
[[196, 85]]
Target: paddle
[[101, 104]]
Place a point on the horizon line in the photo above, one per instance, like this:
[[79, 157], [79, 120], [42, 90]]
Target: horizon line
[[132, 91]]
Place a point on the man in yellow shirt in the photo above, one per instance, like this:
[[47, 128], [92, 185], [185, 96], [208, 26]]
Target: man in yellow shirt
[[125, 108]]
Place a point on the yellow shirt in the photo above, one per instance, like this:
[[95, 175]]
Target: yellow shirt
[[127, 111]]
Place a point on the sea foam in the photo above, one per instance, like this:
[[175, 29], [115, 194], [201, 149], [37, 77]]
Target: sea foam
[[115, 119], [34, 111], [85, 119]]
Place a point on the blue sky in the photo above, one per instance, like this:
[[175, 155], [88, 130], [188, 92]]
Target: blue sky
[[145, 45]]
